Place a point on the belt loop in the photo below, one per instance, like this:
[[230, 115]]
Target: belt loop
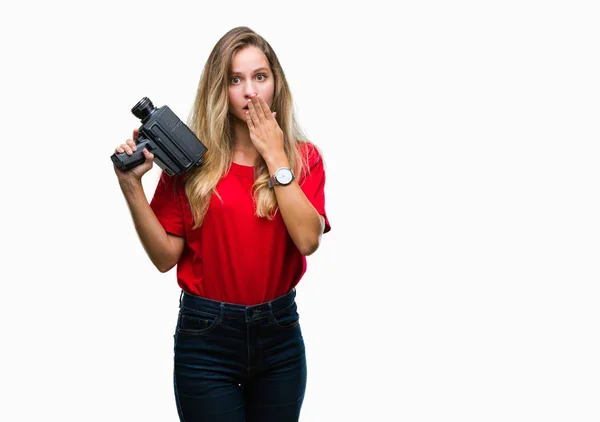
[[221, 315], [180, 296]]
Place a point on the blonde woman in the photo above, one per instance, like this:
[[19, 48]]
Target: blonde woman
[[238, 228]]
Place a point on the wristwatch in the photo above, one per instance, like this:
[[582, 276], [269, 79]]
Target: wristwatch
[[282, 177]]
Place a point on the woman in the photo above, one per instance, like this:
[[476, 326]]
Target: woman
[[239, 228]]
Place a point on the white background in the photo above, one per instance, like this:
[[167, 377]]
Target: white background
[[460, 279]]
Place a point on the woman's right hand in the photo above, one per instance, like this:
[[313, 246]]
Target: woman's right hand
[[138, 171]]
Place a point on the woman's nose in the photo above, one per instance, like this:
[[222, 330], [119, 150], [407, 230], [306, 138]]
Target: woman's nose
[[249, 89]]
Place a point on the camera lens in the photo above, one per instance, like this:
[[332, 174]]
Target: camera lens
[[143, 108]]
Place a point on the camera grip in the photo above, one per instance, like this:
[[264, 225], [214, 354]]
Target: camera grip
[[125, 162]]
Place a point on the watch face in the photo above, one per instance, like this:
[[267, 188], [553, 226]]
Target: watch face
[[284, 176]]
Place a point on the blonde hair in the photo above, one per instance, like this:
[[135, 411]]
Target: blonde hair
[[211, 121]]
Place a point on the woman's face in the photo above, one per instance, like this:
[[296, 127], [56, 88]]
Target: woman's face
[[249, 74]]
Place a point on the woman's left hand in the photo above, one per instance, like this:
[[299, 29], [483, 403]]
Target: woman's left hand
[[265, 133]]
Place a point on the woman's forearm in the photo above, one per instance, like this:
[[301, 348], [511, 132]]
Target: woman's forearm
[[163, 249], [303, 222]]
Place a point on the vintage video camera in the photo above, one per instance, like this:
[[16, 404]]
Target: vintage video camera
[[175, 147]]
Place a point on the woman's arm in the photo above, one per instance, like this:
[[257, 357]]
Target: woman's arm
[[304, 224], [163, 249]]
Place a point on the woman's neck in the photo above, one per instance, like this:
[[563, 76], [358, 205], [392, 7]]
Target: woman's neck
[[244, 152]]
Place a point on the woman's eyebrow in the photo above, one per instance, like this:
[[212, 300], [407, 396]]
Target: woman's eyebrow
[[260, 69]]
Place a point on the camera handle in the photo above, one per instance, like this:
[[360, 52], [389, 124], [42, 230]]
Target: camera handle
[[125, 162]]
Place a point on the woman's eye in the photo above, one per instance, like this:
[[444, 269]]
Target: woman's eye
[[261, 77], [234, 80]]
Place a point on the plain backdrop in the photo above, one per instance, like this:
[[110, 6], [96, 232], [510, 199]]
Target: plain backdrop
[[460, 280]]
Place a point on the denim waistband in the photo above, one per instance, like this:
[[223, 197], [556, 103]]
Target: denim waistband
[[234, 311]]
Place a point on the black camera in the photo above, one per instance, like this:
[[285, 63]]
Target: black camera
[[175, 147]]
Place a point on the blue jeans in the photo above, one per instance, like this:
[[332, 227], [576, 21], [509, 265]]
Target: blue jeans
[[239, 363]]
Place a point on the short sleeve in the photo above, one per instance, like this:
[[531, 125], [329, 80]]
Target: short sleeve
[[313, 182], [166, 204]]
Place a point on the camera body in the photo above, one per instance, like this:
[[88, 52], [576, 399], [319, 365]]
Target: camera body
[[175, 147]]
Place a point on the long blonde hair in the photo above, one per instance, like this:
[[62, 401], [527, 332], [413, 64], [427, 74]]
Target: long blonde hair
[[211, 121]]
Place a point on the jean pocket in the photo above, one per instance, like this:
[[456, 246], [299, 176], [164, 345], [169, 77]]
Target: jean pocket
[[196, 323], [287, 317]]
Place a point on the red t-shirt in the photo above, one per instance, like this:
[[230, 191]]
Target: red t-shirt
[[235, 256]]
